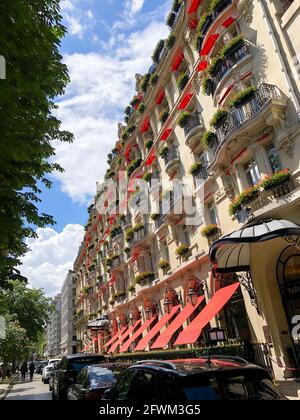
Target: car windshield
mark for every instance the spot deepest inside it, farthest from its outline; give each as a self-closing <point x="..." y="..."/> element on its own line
<point x="80" y="363"/>
<point x="102" y="378"/>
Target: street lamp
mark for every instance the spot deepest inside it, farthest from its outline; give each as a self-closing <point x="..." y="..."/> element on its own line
<point x="195" y="290"/>
<point x="167" y="305"/>
<point x="192" y="297"/>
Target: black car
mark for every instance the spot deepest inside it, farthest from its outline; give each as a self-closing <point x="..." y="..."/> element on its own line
<point x="68" y="369"/>
<point x="93" y="381"/>
<point x="54" y="367"/>
<point x="211" y="378"/>
<point x="39" y="367"/>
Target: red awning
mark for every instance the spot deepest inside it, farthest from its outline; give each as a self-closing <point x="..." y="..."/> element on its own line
<point x="179" y="57"/>
<point x="145" y="125"/>
<point x="193" y="24"/>
<point x="89" y="345"/>
<point x="167" y="335"/>
<point x="191" y="334"/>
<point x="194" y="4"/>
<point x="166" y="134"/>
<point x="124" y="336"/>
<point x="114" y="337"/>
<point x="209" y="44"/>
<point x="160" y="97"/>
<point x="185" y="101"/>
<point x="228" y="22"/>
<point x="150" y="159"/>
<point x="202" y="65"/>
<point x="228" y="90"/>
<point x="157" y="327"/>
<point x="136" y="335"/>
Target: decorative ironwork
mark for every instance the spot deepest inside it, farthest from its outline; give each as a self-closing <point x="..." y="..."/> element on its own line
<point x="293" y="240"/>
<point x="245" y="280"/>
<point x="173" y="154"/>
<point x="196" y="120"/>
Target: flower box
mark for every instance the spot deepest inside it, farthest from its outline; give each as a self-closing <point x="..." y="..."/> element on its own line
<point x="276" y="179"/>
<point x="184" y="119"/>
<point x="218" y="118"/>
<point x="144" y="277"/>
<point x="210" y="230"/>
<point x="243" y="97"/>
<point x="244" y="198"/>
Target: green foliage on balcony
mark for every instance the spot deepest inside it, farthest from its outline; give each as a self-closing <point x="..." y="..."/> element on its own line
<point x="130" y="129"/>
<point x="141" y="108"/>
<point x="208" y="138"/>
<point x="133" y="166"/>
<point x="231" y="46"/>
<point x="195" y="169"/>
<point x="171" y="19"/>
<point x="182" y="80"/>
<point x="116" y="230"/>
<point x="147" y="276"/>
<point x="215" y="62"/>
<point x="135" y="101"/>
<point x="210" y="230"/>
<point x="276" y="179"/>
<point x="242" y="97"/>
<point x="131" y="288"/>
<point x="154" y="217"/>
<point x="145" y="82"/>
<point x="163" y="153"/>
<point x="158" y="49"/>
<point x="149" y="144"/>
<point x="206" y="85"/>
<point x="138" y="227"/>
<point x="218" y="118"/>
<point x="176" y="5"/>
<point x="183" y="119"/>
<point x="242" y="199"/>
<point x="170" y="41"/>
<point x="147" y="177"/>
<point x="154" y="79"/>
<point x="201" y="22"/>
<point x="127" y="110"/>
<point x="112" y="302"/>
<point x="164" y="265"/>
<point x="164" y="116"/>
<point x="182" y="250"/>
<point x="129" y="234"/>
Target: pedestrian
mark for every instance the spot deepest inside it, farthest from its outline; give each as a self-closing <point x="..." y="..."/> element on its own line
<point x="23" y="370"/>
<point x="31" y="370"/>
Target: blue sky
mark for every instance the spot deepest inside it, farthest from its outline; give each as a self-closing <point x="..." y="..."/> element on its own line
<point x="108" y="42"/>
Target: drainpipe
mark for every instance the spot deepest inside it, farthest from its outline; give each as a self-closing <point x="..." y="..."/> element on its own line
<point x="277" y="50"/>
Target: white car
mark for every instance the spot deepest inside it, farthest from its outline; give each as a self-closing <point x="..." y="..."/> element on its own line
<point x="47" y="370"/>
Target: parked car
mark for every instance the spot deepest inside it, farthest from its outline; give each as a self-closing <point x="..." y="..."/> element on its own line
<point x="93" y="381"/>
<point x="213" y="378"/>
<point x="67" y="371"/>
<point x="47" y="369"/>
<point x="54" y="367"/>
<point x="39" y="367"/>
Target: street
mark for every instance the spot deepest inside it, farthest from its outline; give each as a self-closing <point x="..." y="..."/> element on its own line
<point x="27" y="390"/>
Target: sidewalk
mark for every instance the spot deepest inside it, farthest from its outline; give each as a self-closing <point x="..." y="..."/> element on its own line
<point x="6" y="385"/>
<point x="291" y="389"/>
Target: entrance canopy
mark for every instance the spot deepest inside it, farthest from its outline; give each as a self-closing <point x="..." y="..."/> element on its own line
<point x="232" y="252"/>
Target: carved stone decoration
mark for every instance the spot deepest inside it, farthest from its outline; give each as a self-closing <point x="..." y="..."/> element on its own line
<point x="293" y="240"/>
<point x="245" y="10"/>
<point x="121" y="128"/>
<point x="138" y="80"/>
<point x="287" y="146"/>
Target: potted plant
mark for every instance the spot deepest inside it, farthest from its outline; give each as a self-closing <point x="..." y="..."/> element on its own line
<point x="128" y="110"/>
<point x="171" y="40"/>
<point x="232" y="46"/>
<point x="206" y="85"/>
<point x="131" y="288"/>
<point x="278" y="178"/>
<point x="154" y="79"/>
<point x="138" y="227"/>
<point x="163" y="153"/>
<point x="218" y="118"/>
<point x="204" y="23"/>
<point x="145" y="277"/>
<point x="154" y="217"/>
<point x="149" y="144"/>
<point x="135" y="101"/>
<point x="176" y="5"/>
<point x="182" y="251"/>
<point x="198" y="42"/>
<point x="183" y="80"/>
<point x="210" y="230"/>
<point x="184" y="119"/>
<point x="243" y="199"/>
<point x="171" y="19"/>
<point x="158" y="50"/>
<point x="129" y="234"/>
<point x="214" y="66"/>
<point x="112" y="302"/>
<point x="164" y="116"/>
<point x="196" y="169"/>
<point x="147" y="177"/>
<point x="164" y="265"/>
<point x="116" y="230"/>
<point x="217" y="6"/>
<point x="243" y="97"/>
<point x="141" y="108"/>
<point x="145" y="82"/>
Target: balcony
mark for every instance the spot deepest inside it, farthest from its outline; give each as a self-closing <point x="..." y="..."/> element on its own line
<point x="254" y="112"/>
<point x="172" y="161"/>
<point x="194" y="126"/>
<point x="117" y="262"/>
<point x="160" y="221"/>
<point x="228" y="64"/>
<point x="126" y="221"/>
<point x="141" y="236"/>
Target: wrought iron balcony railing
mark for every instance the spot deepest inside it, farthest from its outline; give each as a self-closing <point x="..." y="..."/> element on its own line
<point x="196" y="120"/>
<point x="172" y="154"/>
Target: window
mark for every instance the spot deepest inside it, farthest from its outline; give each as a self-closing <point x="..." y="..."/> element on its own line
<point x="185" y="236"/>
<point x="121" y="390"/>
<point x="274" y="158"/>
<point x="252" y="173"/>
<point x="212" y="211"/>
<point x="143" y="386"/>
<point x="165" y="252"/>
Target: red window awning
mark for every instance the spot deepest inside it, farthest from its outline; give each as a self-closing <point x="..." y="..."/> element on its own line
<point x="150" y="159"/>
<point x="193" y="23"/>
<point x="89" y="345"/>
<point x="202" y="65"/>
<point x="115" y="336"/>
<point x="136" y="335"/>
<point x="167" y="335"/>
<point x="191" y="334"/>
<point x="145" y="125"/>
<point x="124" y="336"/>
<point x="209" y="44"/>
<point x="157" y="327"/>
<point x="185" y="101"/>
<point x="165" y="134"/>
<point x="228" y="22"/>
<point x="179" y="57"/>
<point x="226" y="93"/>
<point x="160" y="97"/>
<point x="194" y="4"/>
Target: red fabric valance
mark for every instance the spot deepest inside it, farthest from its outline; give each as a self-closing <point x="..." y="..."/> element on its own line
<point x="160" y="97"/>
<point x="185" y="101"/>
<point x="209" y="44"/>
<point x="202" y="65"/>
<point x="145" y="125"/>
<point x="193" y="7"/>
<point x="228" y="22"/>
<point x="166" y="133"/>
<point x="179" y="57"/>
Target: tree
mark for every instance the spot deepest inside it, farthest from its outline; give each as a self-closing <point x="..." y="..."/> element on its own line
<point x="30" y="33"/>
<point x="16" y="346"/>
<point x="30" y="307"/>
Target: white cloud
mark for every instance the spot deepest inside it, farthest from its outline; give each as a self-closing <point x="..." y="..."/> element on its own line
<point x="134" y="6"/>
<point x="102" y="84"/>
<point x="76" y="19"/>
<point x="52" y="255"/>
